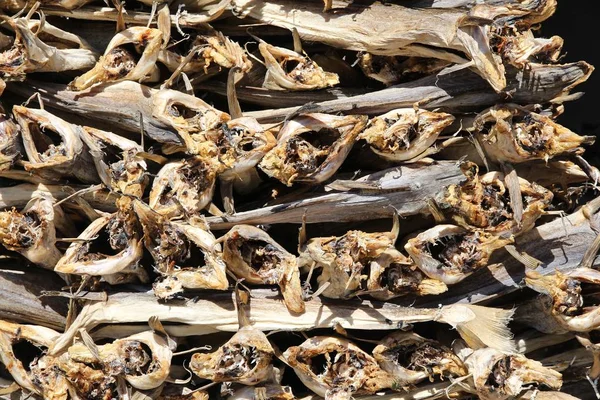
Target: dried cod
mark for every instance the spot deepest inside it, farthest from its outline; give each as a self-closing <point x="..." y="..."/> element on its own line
<point x="10" y="142"/>
<point x="310" y="148"/>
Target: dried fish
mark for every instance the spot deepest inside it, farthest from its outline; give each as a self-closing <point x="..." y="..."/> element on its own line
<point x="10" y="142"/>
<point x="403" y="134"/>
<point x="32" y="232"/>
<point x="483" y="202"/>
<point x="311" y="148"/>
<point x="251" y="254"/>
<point x="390" y="70"/>
<point x="143" y="359"/>
<point x="289" y="70"/>
<point x="450" y="253"/>
<point x="118" y="63"/>
<point x="174" y="247"/>
<point x="510" y="133"/>
<point x="410" y="359"/>
<point x="497" y="375"/>
<point x="183" y="187"/>
<point x="53" y="146"/>
<point x="336" y="368"/>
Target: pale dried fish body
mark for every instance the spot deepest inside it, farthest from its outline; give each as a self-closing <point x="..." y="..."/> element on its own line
<point x="245" y="358"/>
<point x="184" y="187"/>
<point x="521" y="48"/>
<point x="117" y="161"/>
<point x="564" y="302"/>
<point x="215" y="49"/>
<point x="10" y="142"/>
<point x="510" y="133"/>
<point x="311" y="148"/>
<point x="12" y="334"/>
<point x="347" y="369"/>
<point x="123" y="232"/>
<point x="502" y="376"/>
<point x="403" y="134"/>
<point x="288" y="70"/>
<point x="53" y="146"/>
<point x="174" y="248"/>
<point x="30" y="53"/>
<point x="32" y="232"/>
<point x="450" y="253"/>
<point x="393" y="276"/>
<point x="143" y="359"/>
<point x="410" y="359"/>
<point x="16" y="5"/>
<point x="193" y="119"/>
<point x="483" y="202"/>
<point x="270" y="391"/>
<point x="345" y="261"/>
<point x="119" y="63"/>
<point x="251" y="254"/>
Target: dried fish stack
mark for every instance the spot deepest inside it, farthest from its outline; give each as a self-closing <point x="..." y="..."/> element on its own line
<point x="277" y="199"/>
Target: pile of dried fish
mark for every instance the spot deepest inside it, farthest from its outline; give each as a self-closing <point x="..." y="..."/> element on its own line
<point x="277" y="199"/>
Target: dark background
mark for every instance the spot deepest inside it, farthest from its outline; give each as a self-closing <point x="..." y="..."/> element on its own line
<point x="579" y="30"/>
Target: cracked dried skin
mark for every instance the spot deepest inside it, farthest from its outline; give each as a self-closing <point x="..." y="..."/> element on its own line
<point x="184" y="187"/>
<point x="120" y="63"/>
<point x="410" y="359"/>
<point x="216" y="50"/>
<point x="501" y="376"/>
<point x="143" y="359"/>
<point x="176" y="249"/>
<point x="393" y="276"/>
<point x="450" y="253"/>
<point x="241" y="143"/>
<point x="124" y="234"/>
<point x="483" y="202"/>
<point x="311" y="148"/>
<point x="245" y="358"/>
<point x="251" y="254"/>
<point x="31" y="232"/>
<point x="345" y="260"/>
<point x="564" y="302"/>
<point x="510" y="133"/>
<point x="288" y="70"/>
<point x="403" y="134"/>
<point x="336" y="368"/>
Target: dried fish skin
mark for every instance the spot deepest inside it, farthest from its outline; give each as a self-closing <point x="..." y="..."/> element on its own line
<point x="215" y="51"/>
<point x="269" y="391"/>
<point x="183" y="187"/>
<point x="192" y="118"/>
<point x="11" y="334"/>
<point x="483" y="202"/>
<point x="520" y="48"/>
<point x="410" y="359"/>
<point x="10" y="142"/>
<point x="348" y="370"/>
<point x="390" y="70"/>
<point x="245" y="358"/>
<point x="450" y="253"/>
<point x="510" y="133"/>
<point x="117" y="161"/>
<point x="311" y="148"/>
<point x="393" y="276"/>
<point x="288" y="70"/>
<point x="119" y="64"/>
<point x="29" y="53"/>
<point x="53" y="146"/>
<point x="563" y="301"/>
<point x="32" y="232"/>
<point x="174" y="247"/>
<point x="250" y="253"/>
<point x="143" y="359"/>
<point x="403" y="134"/>
<point x="242" y="143"/>
<point x="124" y="234"/>
<point x="501" y="376"/>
